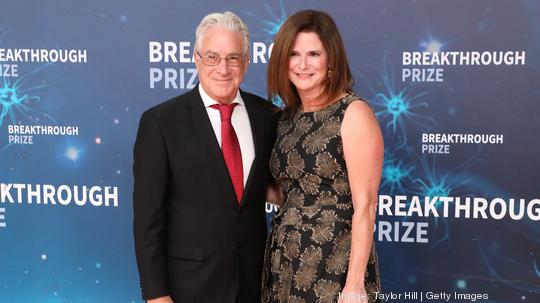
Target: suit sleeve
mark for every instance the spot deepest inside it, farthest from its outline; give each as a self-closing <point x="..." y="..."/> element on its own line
<point x="151" y="178"/>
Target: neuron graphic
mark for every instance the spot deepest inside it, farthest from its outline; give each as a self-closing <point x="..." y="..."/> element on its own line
<point x="18" y="103"/>
<point x="272" y="25"/>
<point x="18" y="100"/>
<point x="395" y="172"/>
<point x="14" y="99"/>
<point x="398" y="106"/>
<point x="508" y="263"/>
<point x="453" y="182"/>
<point x="431" y="45"/>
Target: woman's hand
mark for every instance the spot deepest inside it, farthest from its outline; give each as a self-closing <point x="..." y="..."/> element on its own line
<point x="274" y="194"/>
<point x="166" y="299"/>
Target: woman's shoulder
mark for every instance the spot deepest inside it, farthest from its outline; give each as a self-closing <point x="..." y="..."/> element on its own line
<point x="358" y="104"/>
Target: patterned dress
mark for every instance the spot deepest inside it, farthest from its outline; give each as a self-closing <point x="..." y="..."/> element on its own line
<point x="307" y="253"/>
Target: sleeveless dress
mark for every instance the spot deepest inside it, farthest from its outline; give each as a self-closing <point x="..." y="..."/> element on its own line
<point x="307" y="252"/>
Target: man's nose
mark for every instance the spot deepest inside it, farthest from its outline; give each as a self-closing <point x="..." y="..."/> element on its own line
<point x="222" y="66"/>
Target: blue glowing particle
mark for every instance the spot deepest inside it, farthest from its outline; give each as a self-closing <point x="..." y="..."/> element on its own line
<point x="72" y="153"/>
<point x="98" y="265"/>
<point x="431" y="45"/>
<point x="461" y="284"/>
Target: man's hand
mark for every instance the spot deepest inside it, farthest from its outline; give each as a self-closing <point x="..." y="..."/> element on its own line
<point x="166" y="299"/>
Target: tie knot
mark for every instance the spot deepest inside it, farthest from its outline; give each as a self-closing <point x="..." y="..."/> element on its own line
<point x="225" y="110"/>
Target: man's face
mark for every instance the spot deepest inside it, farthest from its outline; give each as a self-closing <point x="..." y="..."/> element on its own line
<point x="221" y="82"/>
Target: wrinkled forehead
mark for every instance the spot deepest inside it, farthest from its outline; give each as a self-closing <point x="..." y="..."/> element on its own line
<point x="222" y="41"/>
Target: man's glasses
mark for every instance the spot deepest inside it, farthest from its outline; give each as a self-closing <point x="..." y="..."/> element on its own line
<point x="212" y="59"/>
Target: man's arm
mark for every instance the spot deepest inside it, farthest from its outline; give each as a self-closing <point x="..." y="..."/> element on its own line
<point x="150" y="172"/>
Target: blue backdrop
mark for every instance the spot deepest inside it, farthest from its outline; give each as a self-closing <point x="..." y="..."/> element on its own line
<point x="456" y="88"/>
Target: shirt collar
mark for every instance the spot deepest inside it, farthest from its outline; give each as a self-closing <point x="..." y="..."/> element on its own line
<point x="208" y="101"/>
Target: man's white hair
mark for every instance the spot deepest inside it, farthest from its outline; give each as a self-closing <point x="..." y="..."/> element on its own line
<point x="226" y="20"/>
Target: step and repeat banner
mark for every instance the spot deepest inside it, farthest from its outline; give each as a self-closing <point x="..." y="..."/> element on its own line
<point x="455" y="86"/>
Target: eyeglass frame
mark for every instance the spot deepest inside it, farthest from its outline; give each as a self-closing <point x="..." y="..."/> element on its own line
<point x="227" y="58"/>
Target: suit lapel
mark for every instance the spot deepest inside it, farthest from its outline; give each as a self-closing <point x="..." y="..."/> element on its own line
<point x="203" y="131"/>
<point x="256" y="120"/>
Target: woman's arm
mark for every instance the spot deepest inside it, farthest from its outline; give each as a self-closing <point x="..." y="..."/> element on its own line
<point x="363" y="150"/>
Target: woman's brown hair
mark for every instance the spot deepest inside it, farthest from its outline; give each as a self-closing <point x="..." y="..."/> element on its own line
<point x="339" y="79"/>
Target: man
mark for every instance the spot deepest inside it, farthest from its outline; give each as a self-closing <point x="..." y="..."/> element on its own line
<point x="201" y="175"/>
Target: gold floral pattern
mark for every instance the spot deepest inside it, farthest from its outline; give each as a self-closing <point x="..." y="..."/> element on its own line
<point x="295" y="299"/>
<point x="292" y="245"/>
<point x="307" y="253"/>
<point x="326" y="165"/>
<point x="315" y="142"/>
<point x="322" y="233"/>
<point x="328" y="216"/>
<point x="326" y="198"/>
<point x="307" y="271"/>
<point x="341" y="185"/>
<point x="296" y="165"/>
<point x="291" y="217"/>
<point x="310" y="183"/>
<point x="327" y="291"/>
<point x="339" y="258"/>
<point x="310" y="211"/>
<point x="295" y="198"/>
<point x="285" y="281"/>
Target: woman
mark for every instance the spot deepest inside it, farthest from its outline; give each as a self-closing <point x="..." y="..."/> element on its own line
<point x="327" y="163"/>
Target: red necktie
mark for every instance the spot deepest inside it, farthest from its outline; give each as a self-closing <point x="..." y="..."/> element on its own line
<point x="231" y="148"/>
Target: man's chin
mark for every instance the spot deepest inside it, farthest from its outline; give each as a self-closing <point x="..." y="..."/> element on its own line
<point x="224" y="98"/>
<point x="223" y="94"/>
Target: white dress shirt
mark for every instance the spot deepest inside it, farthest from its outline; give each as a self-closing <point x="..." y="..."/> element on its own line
<point x="240" y="123"/>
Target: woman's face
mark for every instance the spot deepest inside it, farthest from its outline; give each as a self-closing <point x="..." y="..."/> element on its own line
<point x="308" y="64"/>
